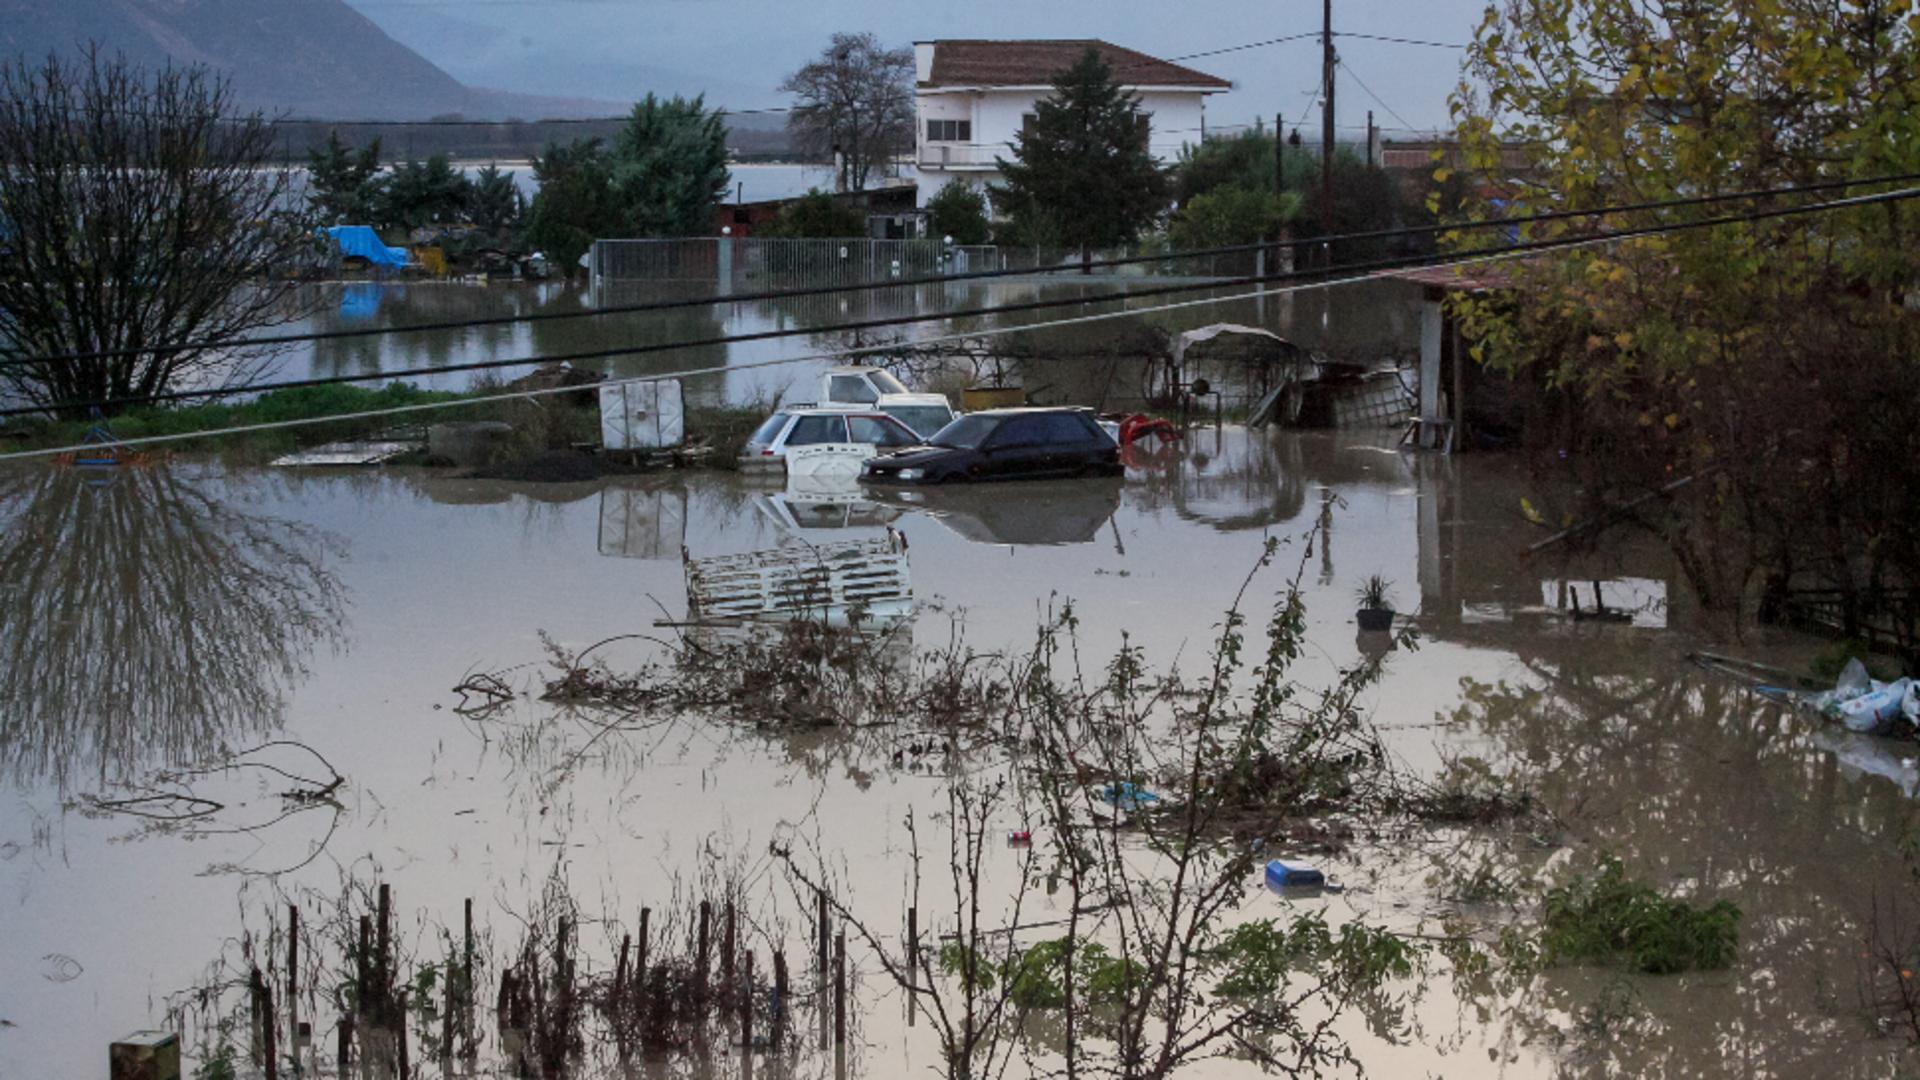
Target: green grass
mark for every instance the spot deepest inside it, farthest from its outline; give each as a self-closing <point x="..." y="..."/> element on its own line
<point x="279" y="406"/>
<point x="1612" y="918"/>
<point x="549" y="422"/>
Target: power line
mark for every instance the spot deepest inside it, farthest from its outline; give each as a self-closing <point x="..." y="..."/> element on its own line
<point x="1401" y="40"/>
<point x="1240" y="48"/>
<point x="1377" y="99"/>
<point x="1005" y="309"/>
<point x="1511" y="221"/>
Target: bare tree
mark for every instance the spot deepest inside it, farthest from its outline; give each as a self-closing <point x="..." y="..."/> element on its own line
<point x="856" y="101"/>
<point x="141" y="220"/>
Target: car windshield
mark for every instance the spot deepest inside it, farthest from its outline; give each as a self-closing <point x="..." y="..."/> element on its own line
<point x="966" y="433"/>
<point x="923" y="419"/>
<point x="887" y="383"/>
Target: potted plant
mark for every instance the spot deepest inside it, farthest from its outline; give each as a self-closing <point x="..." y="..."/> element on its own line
<point x="1376" y="604"/>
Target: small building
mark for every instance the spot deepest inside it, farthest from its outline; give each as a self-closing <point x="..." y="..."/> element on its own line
<point x="890" y="213"/>
<point x="972" y="97"/>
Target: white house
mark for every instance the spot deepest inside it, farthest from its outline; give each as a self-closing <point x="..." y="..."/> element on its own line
<point x="971" y="97"/>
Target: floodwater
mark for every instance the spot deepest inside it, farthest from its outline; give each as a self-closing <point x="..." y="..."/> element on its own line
<point x="152" y="621"/>
<point x="750" y="182"/>
<point x="1366" y="323"/>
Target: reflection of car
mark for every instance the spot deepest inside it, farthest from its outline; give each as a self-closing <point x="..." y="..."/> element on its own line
<point x="811" y="503"/>
<point x="798" y="426"/>
<point x="1004" y="444"/>
<point x="1046" y="512"/>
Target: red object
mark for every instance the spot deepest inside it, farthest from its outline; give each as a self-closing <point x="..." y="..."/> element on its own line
<point x="1137" y="427"/>
<point x="1021" y="837"/>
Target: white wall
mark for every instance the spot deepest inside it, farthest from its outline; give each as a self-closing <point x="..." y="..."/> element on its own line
<point x="1174" y="120"/>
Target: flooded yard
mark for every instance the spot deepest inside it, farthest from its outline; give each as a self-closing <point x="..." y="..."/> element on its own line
<point x="316" y="623"/>
<point x="1358" y="323"/>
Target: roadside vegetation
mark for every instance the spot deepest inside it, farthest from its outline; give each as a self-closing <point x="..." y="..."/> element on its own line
<point x="555" y="422"/>
<point x="1741" y="381"/>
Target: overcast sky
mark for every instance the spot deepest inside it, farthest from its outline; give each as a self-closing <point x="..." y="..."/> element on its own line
<point x="736" y="51"/>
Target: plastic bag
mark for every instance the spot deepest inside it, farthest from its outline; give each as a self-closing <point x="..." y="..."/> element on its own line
<point x="1874" y="712"/>
<point x="1853" y="682"/>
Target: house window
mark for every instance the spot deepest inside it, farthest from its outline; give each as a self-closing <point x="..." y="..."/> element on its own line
<point x="949" y="131"/>
<point x="1027" y="121"/>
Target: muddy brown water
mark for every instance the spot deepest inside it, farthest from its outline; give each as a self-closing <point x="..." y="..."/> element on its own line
<point x="1363" y="323"/>
<point x="149" y="620"/>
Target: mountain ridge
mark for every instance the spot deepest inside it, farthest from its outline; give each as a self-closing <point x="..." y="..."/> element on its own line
<point x="309" y="59"/>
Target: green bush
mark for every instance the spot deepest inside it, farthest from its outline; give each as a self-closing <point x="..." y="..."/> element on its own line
<point x="1611" y="918"/>
<point x="818" y="215"/>
<point x="960" y="212"/>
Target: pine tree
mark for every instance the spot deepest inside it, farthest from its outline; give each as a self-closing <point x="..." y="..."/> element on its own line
<point x="343" y="185"/>
<point x="670" y="167"/>
<point x="1082" y="172"/>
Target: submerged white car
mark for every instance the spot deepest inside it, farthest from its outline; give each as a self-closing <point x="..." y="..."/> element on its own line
<point x="823" y="434"/>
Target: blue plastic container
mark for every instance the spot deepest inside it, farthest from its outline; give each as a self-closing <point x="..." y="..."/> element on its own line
<point x="1283" y="874"/>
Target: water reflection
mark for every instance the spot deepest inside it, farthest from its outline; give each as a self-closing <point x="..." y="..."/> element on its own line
<point x="643" y="523"/>
<point x="1096" y="364"/>
<point x="1478" y="584"/>
<point x="1047" y="512"/>
<point x="148" y="622"/>
<point x="1702" y="787"/>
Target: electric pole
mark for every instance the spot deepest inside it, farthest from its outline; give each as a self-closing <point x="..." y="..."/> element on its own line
<point x="1279" y="153"/>
<point x="1327" y="60"/>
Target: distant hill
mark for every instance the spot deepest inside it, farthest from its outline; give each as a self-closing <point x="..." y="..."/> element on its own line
<point x="300" y="58"/>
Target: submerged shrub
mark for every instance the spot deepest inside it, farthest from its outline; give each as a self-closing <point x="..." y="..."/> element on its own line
<point x="1612" y="917"/>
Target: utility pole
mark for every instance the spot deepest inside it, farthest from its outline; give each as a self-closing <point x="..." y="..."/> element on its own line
<point x="1327" y="61"/>
<point x="1279" y="153"/>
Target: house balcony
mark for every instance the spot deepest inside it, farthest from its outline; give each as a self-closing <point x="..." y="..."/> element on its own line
<point x="954" y="155"/>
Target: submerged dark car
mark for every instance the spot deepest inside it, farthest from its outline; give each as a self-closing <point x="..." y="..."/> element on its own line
<point x="1004" y="444"/>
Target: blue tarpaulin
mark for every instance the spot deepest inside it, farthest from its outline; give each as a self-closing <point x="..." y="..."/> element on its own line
<point x="362" y="241"/>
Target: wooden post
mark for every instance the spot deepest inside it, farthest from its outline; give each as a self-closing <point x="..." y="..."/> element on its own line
<point x="700" y="953"/>
<point x="400" y="1032"/>
<point x="1458" y="404"/>
<point x="821" y="922"/>
<point x="256" y="1043"/>
<point x="469" y="1025"/>
<point x="779" y="995"/>
<point x="727" y="945"/>
<point x="383" y="967"/>
<point x="746" y="1007"/>
<point x="446" y="1023"/>
<point x="640" y="959"/>
<point x="270" y="1030"/>
<point x="363" y="966"/>
<point x="343" y="1048"/>
<point x="913" y="962"/>
<point x="620" y="980"/>
<point x="293" y="976"/>
<point x="563" y="977"/>
<point x="840" y="989"/>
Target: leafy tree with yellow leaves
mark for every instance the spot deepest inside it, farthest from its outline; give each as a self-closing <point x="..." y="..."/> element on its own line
<point x="1774" y="362"/>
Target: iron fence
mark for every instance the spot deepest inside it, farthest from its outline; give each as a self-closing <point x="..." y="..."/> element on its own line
<point x="743" y="262"/>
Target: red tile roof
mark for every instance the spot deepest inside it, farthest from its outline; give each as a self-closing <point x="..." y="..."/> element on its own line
<point x="1035" y="63"/>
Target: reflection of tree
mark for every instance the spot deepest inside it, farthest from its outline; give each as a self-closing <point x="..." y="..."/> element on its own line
<point x="147" y="622"/>
<point x="701" y="322"/>
<point x="1702" y="787"/>
<point x="403" y="305"/>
